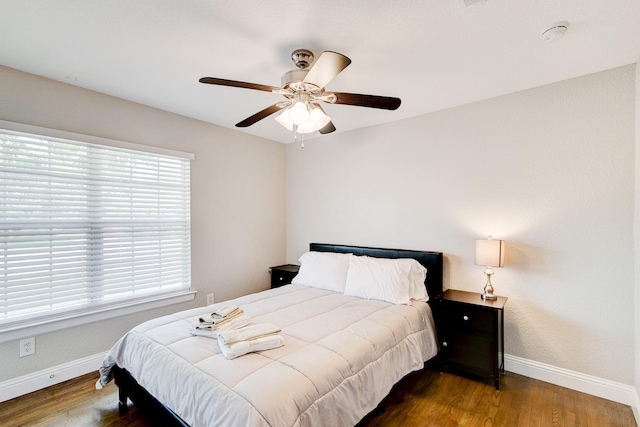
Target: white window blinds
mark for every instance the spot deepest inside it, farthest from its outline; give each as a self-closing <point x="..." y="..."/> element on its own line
<point x="85" y="225"/>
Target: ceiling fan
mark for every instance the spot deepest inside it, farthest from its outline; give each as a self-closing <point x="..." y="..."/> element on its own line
<point x="303" y="88"/>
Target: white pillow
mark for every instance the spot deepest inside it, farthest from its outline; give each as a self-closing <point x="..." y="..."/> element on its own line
<point x="417" y="276"/>
<point x="324" y="270"/>
<point x="379" y="278"/>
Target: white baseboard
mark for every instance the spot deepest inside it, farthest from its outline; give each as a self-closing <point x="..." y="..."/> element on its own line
<point x="38" y="380"/>
<point x="636" y="406"/>
<point x="595" y="386"/>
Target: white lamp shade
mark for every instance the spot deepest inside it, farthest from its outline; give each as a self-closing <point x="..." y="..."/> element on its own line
<point x="490" y="253"/>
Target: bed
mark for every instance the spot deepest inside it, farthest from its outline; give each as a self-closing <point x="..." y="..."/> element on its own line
<point x="342" y="355"/>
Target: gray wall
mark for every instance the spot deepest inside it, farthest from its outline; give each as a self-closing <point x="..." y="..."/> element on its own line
<point x="551" y="170"/>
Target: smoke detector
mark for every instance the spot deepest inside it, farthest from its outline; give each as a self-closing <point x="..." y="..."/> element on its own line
<point x="555" y="32"/>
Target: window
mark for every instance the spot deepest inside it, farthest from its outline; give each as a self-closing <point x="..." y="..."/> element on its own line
<point x="85" y="226"/>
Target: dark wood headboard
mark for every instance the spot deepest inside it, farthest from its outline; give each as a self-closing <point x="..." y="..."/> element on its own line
<point x="431" y="260"/>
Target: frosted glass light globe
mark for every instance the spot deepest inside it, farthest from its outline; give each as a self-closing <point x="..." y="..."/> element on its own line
<point x="317" y="120"/>
<point x="299" y="113"/>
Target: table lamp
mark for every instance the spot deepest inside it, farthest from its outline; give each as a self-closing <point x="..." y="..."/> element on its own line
<point x="489" y="253"/>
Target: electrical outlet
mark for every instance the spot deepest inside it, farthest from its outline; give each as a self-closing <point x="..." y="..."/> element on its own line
<point x="27" y="347"/>
<point x="210" y="299"/>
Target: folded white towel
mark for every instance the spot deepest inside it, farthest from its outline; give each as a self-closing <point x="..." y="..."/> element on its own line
<point x="211" y="331"/>
<point x="248" y="333"/>
<point x="225" y="310"/>
<point x="224" y="314"/>
<point x="240" y="348"/>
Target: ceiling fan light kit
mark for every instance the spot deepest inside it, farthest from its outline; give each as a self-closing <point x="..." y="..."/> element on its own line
<point x="303" y="89"/>
<point x="315" y="120"/>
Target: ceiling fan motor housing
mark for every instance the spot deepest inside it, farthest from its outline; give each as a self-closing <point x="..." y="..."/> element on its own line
<point x="294" y="79"/>
<point x="293" y="76"/>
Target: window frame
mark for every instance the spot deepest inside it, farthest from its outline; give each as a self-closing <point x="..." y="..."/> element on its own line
<point x="51" y="323"/>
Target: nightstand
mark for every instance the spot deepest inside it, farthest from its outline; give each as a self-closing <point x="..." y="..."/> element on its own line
<point x="283" y="274"/>
<point x="471" y="333"/>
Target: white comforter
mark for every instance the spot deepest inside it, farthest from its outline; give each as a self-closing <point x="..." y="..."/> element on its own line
<point x="341" y="357"/>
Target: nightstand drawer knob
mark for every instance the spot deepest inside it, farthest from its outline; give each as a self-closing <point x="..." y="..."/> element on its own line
<point x="465" y="317"/>
<point x="444" y="343"/>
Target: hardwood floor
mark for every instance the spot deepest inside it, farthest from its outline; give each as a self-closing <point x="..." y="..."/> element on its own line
<point x="441" y="400"/>
<point x="426" y="398"/>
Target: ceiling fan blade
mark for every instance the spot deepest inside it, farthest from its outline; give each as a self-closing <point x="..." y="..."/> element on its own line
<point x="328" y="65"/>
<point x="371" y="101"/>
<point x="259" y="116"/>
<point x="234" y="83"/>
<point x="328" y="128"/>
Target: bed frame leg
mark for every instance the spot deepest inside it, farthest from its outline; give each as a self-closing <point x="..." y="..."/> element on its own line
<point x="122" y="401"/>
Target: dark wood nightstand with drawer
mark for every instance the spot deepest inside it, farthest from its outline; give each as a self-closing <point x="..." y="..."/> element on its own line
<point x="283" y="274"/>
<point x="472" y="333"/>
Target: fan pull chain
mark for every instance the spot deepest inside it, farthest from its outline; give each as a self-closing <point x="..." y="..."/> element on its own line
<point x="295" y="136"/>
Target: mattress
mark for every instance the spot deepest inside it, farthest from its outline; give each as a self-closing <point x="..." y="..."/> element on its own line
<point x="341" y="357"/>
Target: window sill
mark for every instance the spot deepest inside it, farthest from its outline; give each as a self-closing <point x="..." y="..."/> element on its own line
<point x="69" y="320"/>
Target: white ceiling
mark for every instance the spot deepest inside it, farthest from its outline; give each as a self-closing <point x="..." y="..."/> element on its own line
<point x="433" y="54"/>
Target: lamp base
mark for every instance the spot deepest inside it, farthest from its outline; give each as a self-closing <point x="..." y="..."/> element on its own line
<point x="488" y="297"/>
<point x="487" y="294"/>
